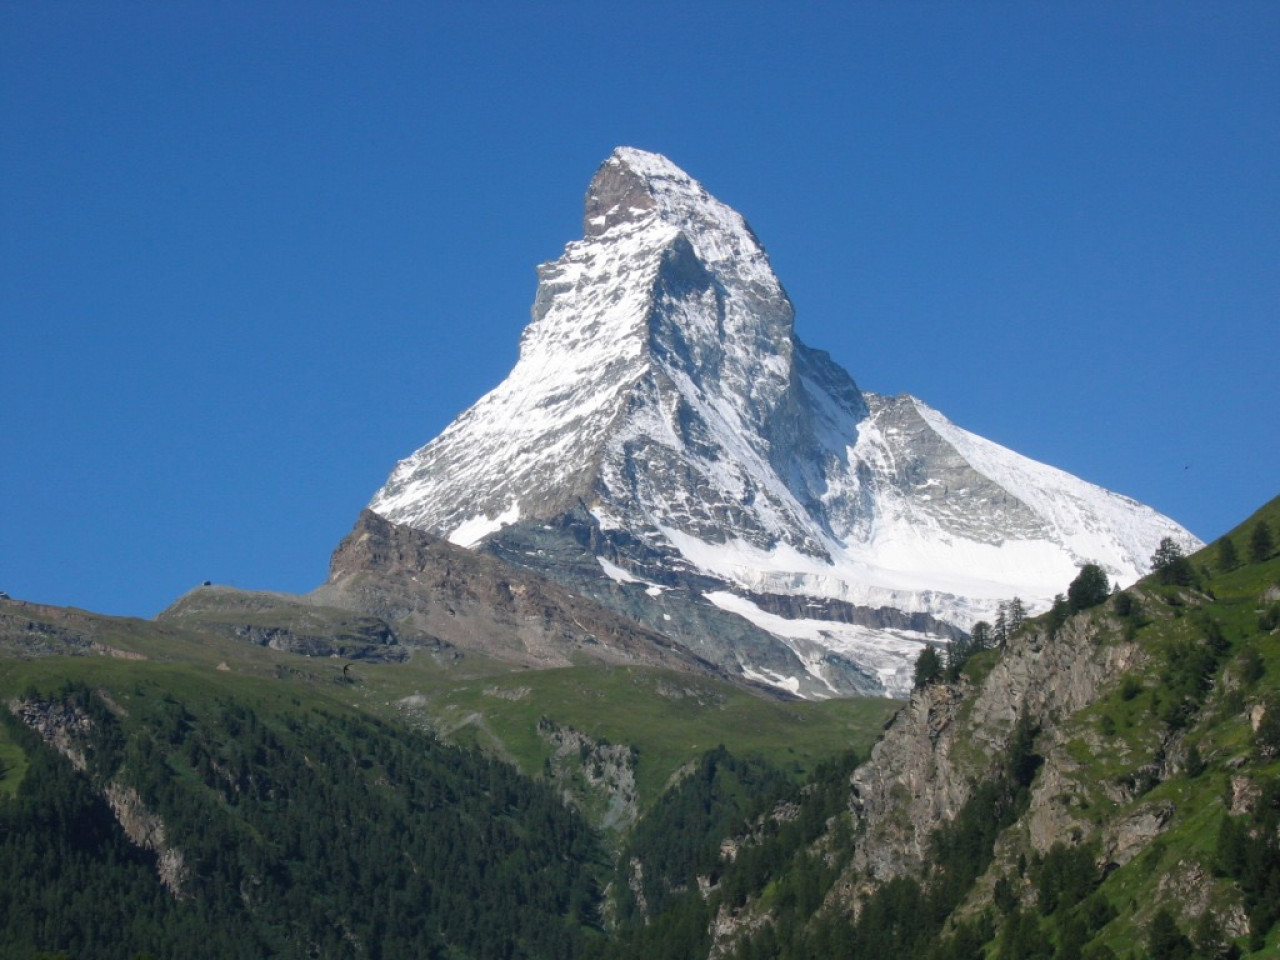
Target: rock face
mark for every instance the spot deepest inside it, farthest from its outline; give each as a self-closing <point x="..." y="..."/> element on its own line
<point x="604" y="772"/>
<point x="663" y="401"/>
<point x="950" y="738"/>
<point x="435" y="595"/>
<point x="147" y="830"/>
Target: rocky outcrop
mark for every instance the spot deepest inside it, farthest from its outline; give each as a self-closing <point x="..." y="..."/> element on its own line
<point x="62" y="726"/>
<point x="592" y="772"/>
<point x="430" y="591"/>
<point x="949" y="738"/>
<point x="147" y="830"/>
<point x="1129" y="836"/>
<point x="66" y="727"/>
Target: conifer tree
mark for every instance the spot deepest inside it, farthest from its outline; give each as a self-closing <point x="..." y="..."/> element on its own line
<point x="1164" y="940"/>
<point x="1228" y="557"/>
<point x="1059" y="612"/>
<point x="980" y="636"/>
<point x="1261" y="544"/>
<point x="928" y="667"/>
<point x="1000" y="631"/>
<point x="1089" y="588"/>
<point x="1171" y="564"/>
<point x="1017" y="615"/>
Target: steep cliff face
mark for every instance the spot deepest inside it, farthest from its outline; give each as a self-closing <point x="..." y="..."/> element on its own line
<point x="434" y="594"/>
<point x="1100" y="768"/>
<point x="951" y="737"/>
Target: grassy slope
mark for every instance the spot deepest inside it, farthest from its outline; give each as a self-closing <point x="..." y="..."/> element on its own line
<point x="1221" y="732"/>
<point x="670" y="719"/>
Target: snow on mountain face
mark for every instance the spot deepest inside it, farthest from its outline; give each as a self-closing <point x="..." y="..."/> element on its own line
<point x="661" y="387"/>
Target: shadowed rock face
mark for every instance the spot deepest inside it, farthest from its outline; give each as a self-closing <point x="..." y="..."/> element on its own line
<point x="617" y="194"/>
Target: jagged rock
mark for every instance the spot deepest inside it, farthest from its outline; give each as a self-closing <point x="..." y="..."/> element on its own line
<point x="608" y="769"/>
<point x="1257" y="713"/>
<point x="1130" y="836"/>
<point x="61" y="725"/>
<point x="445" y="599"/>
<point x="909" y="785"/>
<point x="147" y="830"/>
<point x="729" y="927"/>
<point x="951" y="737"/>
<point x="1245" y="794"/>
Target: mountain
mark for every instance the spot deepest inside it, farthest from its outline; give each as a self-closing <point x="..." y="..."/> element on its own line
<point x="667" y="446"/>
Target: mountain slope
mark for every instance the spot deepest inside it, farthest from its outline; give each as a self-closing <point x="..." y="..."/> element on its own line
<point x="1107" y="785"/>
<point x="662" y="400"/>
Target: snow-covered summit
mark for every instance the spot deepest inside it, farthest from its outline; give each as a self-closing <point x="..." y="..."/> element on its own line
<point x="661" y="393"/>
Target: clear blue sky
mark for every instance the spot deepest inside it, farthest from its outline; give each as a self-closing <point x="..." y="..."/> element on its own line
<point x="253" y="253"/>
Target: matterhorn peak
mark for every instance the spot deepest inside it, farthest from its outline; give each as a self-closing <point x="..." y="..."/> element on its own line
<point x="634" y="184"/>
<point x="635" y="188"/>
<point x="666" y="445"/>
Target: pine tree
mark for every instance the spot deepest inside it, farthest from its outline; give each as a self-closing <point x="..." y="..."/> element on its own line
<point x="928" y="667"/>
<point x="1164" y="940"/>
<point x="1000" y="632"/>
<point x="1171" y="564"/>
<point x="1059" y="612"/>
<point x="1261" y="545"/>
<point x="1088" y="589"/>
<point x="1228" y="558"/>
<point x="957" y="653"/>
<point x="980" y="636"/>
<point x="1017" y="615"/>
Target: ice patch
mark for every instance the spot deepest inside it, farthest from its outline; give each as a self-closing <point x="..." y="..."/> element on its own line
<point x="889" y="654"/>
<point x="471" y="532"/>
<point x="790" y="684"/>
<point x="616" y="573"/>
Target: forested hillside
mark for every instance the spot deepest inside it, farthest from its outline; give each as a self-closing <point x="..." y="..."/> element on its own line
<point x="217" y="829"/>
<point x="172" y="793"/>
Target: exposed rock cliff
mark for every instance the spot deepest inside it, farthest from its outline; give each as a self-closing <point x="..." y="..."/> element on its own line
<point x="436" y="594"/>
<point x="951" y="737"/>
<point x="66" y="727"/>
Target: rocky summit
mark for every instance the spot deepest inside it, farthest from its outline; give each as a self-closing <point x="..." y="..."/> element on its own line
<point x="666" y="446"/>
